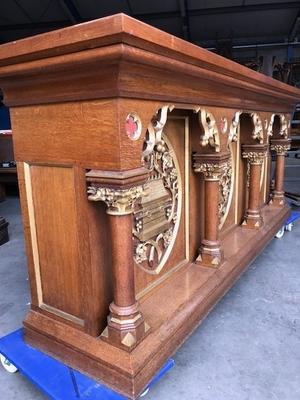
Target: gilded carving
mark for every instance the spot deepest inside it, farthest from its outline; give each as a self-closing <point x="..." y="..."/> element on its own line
<point x="270" y="125"/>
<point x="226" y="186"/>
<point x="155" y="130"/>
<point x="211" y="134"/>
<point x="255" y="157"/>
<point x="284" y="126"/>
<point x="156" y="217"/>
<point x="211" y="171"/>
<point x="280" y="149"/>
<point x="233" y="130"/>
<point x="118" y="201"/>
<point x="221" y="172"/>
<point x="258" y="132"/>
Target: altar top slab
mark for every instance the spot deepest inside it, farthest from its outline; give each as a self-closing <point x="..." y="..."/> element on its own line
<point x="117" y="36"/>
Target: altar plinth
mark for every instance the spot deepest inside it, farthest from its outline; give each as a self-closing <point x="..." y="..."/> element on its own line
<point x="144" y="173"/>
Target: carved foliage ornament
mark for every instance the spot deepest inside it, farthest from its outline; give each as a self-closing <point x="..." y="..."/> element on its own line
<point x="211" y="171"/>
<point x="280" y="149"/>
<point x="226" y="187"/>
<point x="118" y="201"/>
<point x="284" y="126"/>
<point x="270" y="125"/>
<point x="255" y="157"/>
<point x="156" y="218"/>
<point x="233" y="130"/>
<point x="211" y="134"/>
<point x="258" y="132"/>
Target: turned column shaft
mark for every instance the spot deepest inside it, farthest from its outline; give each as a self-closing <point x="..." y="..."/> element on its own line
<point x="280" y="146"/>
<point x="122" y="260"/>
<point x="279" y="173"/>
<point x="255" y="155"/>
<point x="211" y="210"/>
<point x="213" y="166"/>
<point x="125" y="324"/>
<point x="254" y="187"/>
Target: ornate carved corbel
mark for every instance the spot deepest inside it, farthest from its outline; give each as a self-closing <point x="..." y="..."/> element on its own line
<point x="233" y="130"/>
<point x="269" y="126"/>
<point x="258" y="131"/>
<point x="284" y="126"/>
<point x="211" y="133"/>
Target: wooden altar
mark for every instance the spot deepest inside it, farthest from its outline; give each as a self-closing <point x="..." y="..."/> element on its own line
<point x="144" y="171"/>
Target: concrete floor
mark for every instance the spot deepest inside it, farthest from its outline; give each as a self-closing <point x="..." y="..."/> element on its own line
<point x="248" y="348"/>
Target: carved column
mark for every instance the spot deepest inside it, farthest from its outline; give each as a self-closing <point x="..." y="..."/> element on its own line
<point x="255" y="155"/>
<point x="212" y="166"/>
<point x="126" y="326"/>
<point x="280" y="146"/>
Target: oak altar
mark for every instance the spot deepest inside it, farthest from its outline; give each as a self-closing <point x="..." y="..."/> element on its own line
<point x="144" y="170"/>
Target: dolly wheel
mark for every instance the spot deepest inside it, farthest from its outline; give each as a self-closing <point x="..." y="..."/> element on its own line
<point x="7" y="365"/>
<point x="280" y="233"/>
<point x="145" y="392"/>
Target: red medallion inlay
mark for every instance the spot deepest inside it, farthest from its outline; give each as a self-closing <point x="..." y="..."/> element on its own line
<point x="132" y="128"/>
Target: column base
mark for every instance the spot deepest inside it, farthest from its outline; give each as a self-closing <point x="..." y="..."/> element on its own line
<point x="277" y="199"/>
<point x="210" y="254"/>
<point x="252" y="220"/>
<point x="126" y="327"/>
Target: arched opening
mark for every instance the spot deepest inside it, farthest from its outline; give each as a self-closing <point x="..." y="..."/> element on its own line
<point x="246" y="128"/>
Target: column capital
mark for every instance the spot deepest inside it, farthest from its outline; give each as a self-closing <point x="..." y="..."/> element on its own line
<point x="255" y="154"/>
<point x="118" y="201"/>
<point x="212" y="166"/>
<point x="118" y="189"/>
<point x="280" y="146"/>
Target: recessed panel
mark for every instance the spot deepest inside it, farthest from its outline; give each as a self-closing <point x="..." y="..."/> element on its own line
<point x="54" y="207"/>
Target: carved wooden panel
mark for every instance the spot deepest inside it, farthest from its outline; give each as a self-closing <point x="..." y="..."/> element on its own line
<point x="163" y="221"/>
